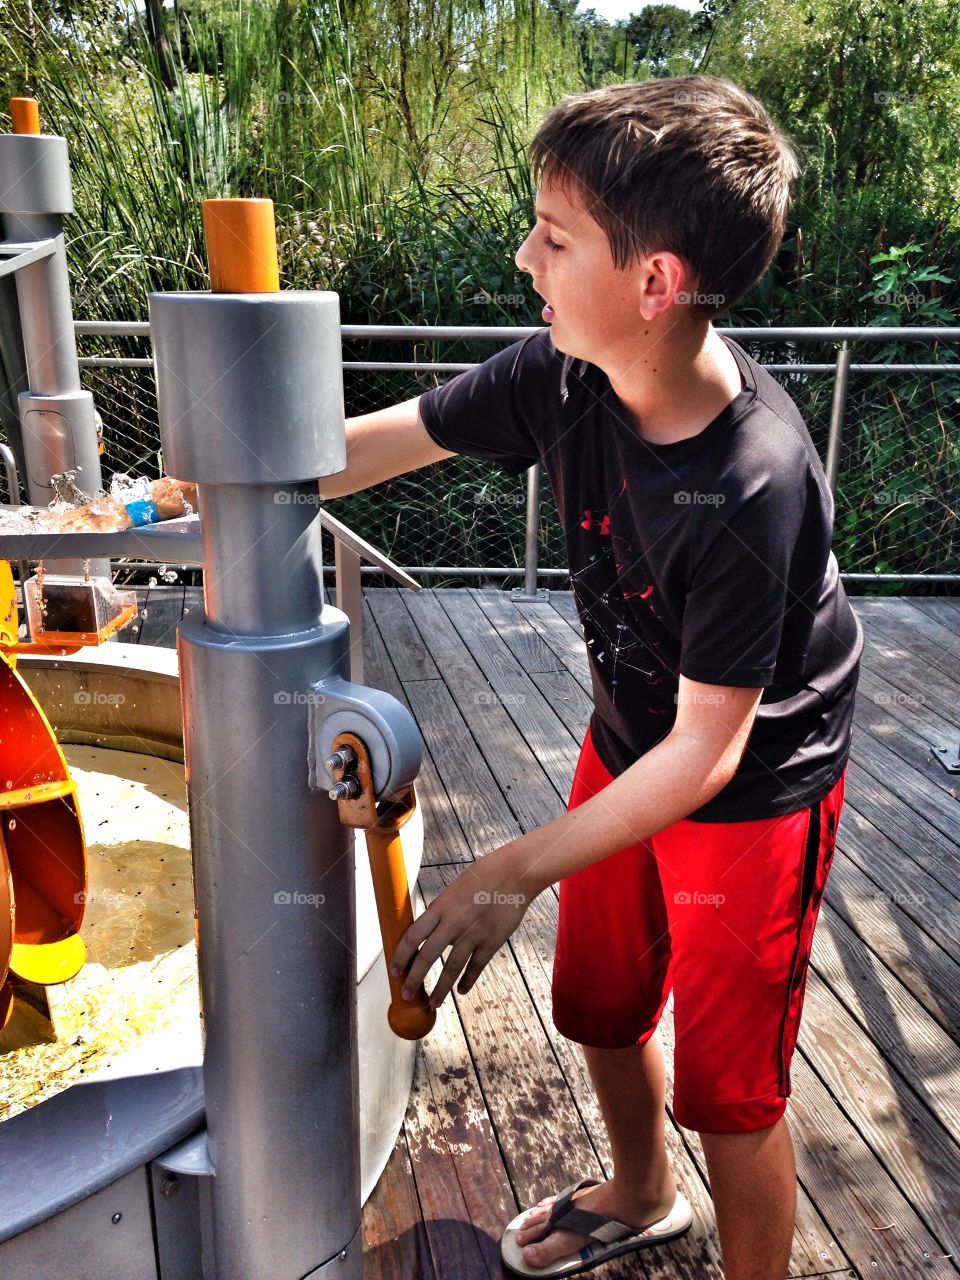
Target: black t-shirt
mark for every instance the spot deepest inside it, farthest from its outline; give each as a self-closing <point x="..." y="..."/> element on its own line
<point x="708" y="557"/>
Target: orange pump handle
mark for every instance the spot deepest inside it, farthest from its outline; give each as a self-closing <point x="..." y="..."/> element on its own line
<point x="241" y="240"/>
<point x="409" y="1019"/>
<point x="24" y="115"/>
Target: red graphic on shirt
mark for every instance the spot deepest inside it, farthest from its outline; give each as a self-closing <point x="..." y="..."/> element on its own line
<point x="603" y="525"/>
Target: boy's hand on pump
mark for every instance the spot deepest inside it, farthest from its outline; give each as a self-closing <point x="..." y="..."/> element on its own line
<point x="473" y="916"/>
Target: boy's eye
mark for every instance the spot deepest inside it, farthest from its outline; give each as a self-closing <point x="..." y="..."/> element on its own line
<point x="552" y="244"/>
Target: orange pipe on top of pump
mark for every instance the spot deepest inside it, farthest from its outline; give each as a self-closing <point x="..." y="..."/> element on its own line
<point x="24" y="115"/>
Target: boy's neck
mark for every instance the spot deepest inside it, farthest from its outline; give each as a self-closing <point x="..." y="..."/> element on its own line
<point x="674" y="378"/>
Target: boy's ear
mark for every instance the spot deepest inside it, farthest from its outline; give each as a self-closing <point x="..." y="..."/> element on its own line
<point x="661" y="281"/>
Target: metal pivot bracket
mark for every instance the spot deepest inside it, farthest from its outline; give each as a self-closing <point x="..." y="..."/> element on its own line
<point x="384" y="724"/>
<point x="949" y="756"/>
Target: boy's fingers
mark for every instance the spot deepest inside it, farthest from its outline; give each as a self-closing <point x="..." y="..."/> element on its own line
<point x="478" y="963"/>
<point x="422" y="964"/>
<point x="421" y="928"/>
<point x="457" y="958"/>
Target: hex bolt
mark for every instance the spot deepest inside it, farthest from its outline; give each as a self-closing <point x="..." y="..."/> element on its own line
<point x="344" y="758"/>
<point x="170" y="1185"/>
<point x="347" y="788"/>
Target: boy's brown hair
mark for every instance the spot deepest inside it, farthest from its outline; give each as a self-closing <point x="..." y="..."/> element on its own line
<point x="689" y="164"/>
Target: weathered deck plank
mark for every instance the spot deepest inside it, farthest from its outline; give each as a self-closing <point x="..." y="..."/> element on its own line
<point x="503" y="1111"/>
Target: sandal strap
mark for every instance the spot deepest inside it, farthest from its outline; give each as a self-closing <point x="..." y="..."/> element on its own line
<point x="596" y="1225"/>
<point x="560" y="1206"/>
<point x="567" y="1215"/>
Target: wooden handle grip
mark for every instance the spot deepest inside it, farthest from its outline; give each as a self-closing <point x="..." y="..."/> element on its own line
<point x="409" y="1019"/>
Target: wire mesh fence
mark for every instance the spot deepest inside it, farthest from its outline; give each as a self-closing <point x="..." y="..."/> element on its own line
<point x="463" y="521"/>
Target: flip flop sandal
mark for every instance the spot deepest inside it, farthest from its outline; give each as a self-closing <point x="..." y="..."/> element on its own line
<point x="612" y="1237"/>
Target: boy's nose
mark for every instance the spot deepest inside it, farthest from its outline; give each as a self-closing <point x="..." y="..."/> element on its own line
<point x="522" y="256"/>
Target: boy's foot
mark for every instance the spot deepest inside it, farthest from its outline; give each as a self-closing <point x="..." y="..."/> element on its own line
<point x="605" y="1199"/>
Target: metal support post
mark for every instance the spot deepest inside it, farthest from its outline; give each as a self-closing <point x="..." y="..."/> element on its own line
<point x="273" y="865"/>
<point x="57" y="417"/>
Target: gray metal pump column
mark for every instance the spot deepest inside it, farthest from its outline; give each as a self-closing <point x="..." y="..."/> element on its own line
<point x="57" y="417"/>
<point x="251" y="408"/>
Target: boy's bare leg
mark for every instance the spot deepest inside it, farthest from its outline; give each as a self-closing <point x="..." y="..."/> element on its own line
<point x="753" y="1182"/>
<point x="630" y="1085"/>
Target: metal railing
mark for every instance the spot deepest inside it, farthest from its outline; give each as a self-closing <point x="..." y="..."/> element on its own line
<point x="832" y="445"/>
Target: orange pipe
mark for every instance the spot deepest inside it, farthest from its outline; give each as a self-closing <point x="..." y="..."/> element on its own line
<point x="24" y="115"/>
<point x="241" y="246"/>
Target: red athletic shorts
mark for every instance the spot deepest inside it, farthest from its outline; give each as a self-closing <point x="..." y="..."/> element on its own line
<point x="721" y="912"/>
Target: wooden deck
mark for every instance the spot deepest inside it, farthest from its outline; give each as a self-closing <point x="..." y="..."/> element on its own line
<point x="502" y="1111"/>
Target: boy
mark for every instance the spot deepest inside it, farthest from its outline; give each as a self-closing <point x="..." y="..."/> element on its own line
<point x="724" y="657"/>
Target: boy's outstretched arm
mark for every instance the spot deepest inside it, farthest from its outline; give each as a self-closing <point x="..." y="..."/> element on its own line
<point x="476" y="914"/>
<point x="382" y="445"/>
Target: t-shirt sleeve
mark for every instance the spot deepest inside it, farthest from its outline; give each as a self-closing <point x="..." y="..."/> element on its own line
<point x="494" y="411"/>
<point x="739" y="593"/>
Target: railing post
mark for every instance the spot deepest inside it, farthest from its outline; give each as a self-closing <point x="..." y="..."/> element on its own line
<point x="837" y="413"/>
<point x="532" y="540"/>
<point x="350" y="601"/>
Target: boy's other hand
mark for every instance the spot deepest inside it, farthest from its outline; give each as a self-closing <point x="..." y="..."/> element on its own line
<point x="473" y="916"/>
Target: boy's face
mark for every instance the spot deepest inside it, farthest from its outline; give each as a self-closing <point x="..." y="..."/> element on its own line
<point x="595" y="312"/>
